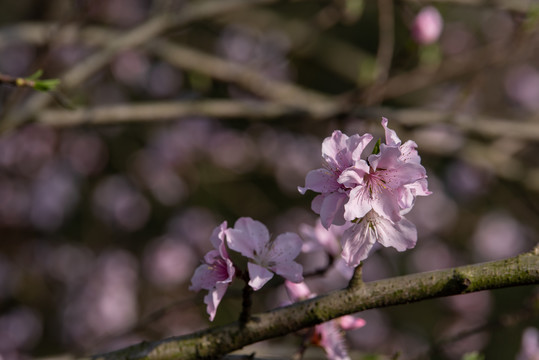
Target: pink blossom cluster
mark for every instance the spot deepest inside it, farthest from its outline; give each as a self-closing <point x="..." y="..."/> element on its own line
<point x="369" y="194"/>
<point x="266" y="256"/>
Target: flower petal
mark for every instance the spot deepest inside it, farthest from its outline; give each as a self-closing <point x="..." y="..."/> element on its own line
<point x="213" y="298"/>
<point x="258" y="275"/>
<point x="359" y="203"/>
<point x="332" y="210"/>
<point x="401" y="235"/>
<point x="286" y="247"/>
<point x="289" y="270"/>
<point x="320" y="180"/>
<point x="248" y="237"/>
<point x="350" y="322"/>
<point x="391" y="135"/>
<point x="357" y="241"/>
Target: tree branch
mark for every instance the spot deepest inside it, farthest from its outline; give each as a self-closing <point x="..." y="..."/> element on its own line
<point x="168" y="110"/>
<point x="217" y="341"/>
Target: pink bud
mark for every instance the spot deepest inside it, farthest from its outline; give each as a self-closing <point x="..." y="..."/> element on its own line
<point x="427" y="26"/>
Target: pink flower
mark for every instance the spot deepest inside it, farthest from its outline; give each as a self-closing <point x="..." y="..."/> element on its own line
<point x="374" y="193"/>
<point x="216" y="273"/>
<point x="318" y="238"/>
<point x="359" y="239"/>
<point x="409" y="154"/>
<point x="530" y="345"/>
<point x="381" y="186"/>
<point x="328" y="335"/>
<point x="427" y="26"/>
<point x="251" y="238"/>
<point x="339" y="152"/>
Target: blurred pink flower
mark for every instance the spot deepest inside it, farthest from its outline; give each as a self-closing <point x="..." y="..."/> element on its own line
<point x="216" y="273"/>
<point x="318" y="238"/>
<point x="252" y="239"/>
<point x="530" y="345"/>
<point x="328" y="335"/>
<point x="427" y="26"/>
<point x="359" y="239"/>
<point x="339" y="152"/>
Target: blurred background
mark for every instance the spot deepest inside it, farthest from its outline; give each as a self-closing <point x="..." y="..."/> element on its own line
<point x="106" y="208"/>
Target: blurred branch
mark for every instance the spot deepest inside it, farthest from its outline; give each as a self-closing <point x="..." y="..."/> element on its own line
<point x="140" y="35"/>
<point x="332" y="52"/>
<point x="256" y="110"/>
<point x="285" y="93"/>
<point x="217" y="341"/>
<point x="386" y="43"/>
<point x="475" y="124"/>
<point x="513" y="5"/>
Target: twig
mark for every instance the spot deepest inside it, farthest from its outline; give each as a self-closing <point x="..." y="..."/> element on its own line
<point x="250" y="79"/>
<point x="489" y="127"/>
<point x="134" y="38"/>
<point x="213" y="342"/>
<point x="155" y="111"/>
<point x="384" y="55"/>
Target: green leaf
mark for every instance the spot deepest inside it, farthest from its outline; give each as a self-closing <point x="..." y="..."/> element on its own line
<point x="46" y="85"/>
<point x="35" y="75"/>
<point x="376" y="149"/>
<point x="473" y="356"/>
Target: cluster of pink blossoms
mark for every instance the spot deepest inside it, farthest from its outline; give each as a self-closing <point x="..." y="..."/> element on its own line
<point x="265" y="257"/>
<point x="369" y="194"/>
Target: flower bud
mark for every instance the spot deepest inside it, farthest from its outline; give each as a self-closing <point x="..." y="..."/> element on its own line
<point x="427" y="26"/>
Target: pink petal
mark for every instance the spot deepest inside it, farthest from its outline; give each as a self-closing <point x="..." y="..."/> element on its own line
<point x="360" y="143"/>
<point x="359" y="203"/>
<point x="248" y="237"/>
<point x="332" y="341"/>
<point x="213" y="298"/>
<point x="289" y="270"/>
<point x="391" y="135"/>
<point x="258" y="275"/>
<point x="409" y="152"/>
<point x="320" y="180"/>
<point x="317" y="202"/>
<point x="286" y="247"/>
<point x="401" y="235"/>
<point x="217" y="237"/>
<point x="332" y="210"/>
<point x="332" y="146"/>
<point x="357" y="242"/>
<point x="297" y="291"/>
<point x="354" y="176"/>
<point x="350" y="322"/>
<point x="388" y="158"/>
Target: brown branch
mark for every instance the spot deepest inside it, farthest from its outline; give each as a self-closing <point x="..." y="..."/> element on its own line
<point x="214" y="342"/>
